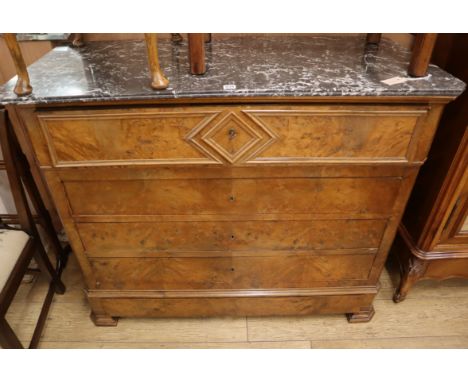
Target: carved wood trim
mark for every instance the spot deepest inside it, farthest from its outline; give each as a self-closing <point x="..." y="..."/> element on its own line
<point x="414" y="101"/>
<point x="212" y="217"/>
<point x="237" y="253"/>
<point x="454" y="182"/>
<point x="287" y="292"/>
<point x="427" y="255"/>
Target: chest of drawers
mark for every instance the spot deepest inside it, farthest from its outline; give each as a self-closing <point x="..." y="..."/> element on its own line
<point x="231" y="209"/>
<point x="278" y="196"/>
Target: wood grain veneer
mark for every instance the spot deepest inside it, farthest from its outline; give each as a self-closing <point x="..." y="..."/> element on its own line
<point x="433" y="237"/>
<point x="226" y="208"/>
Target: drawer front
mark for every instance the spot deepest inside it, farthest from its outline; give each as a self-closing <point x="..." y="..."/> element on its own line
<point x="229" y="272"/>
<point x="121" y="136"/>
<point x="233" y="196"/>
<point x="230" y="134"/>
<point x="336" y="135"/>
<point x="174" y="238"/>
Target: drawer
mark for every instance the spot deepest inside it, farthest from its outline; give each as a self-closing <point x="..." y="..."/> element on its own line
<point x="160" y="239"/>
<point x="229" y="272"/>
<point x="230" y="134"/>
<point x="233" y="196"/>
<point x="121" y="136"/>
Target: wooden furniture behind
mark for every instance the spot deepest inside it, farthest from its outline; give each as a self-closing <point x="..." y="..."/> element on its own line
<point x="23" y="85"/>
<point x="421" y="53"/>
<point x="19" y="247"/>
<point x="231" y="207"/>
<point x="158" y="80"/>
<point x="433" y="236"/>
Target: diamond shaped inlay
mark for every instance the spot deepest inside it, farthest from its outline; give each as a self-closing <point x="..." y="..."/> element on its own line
<point x="233" y="137"/>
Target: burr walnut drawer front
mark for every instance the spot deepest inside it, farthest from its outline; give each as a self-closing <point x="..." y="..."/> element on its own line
<point x="346" y="196"/>
<point x="230" y="272"/>
<point x="178" y="238"/>
<point x="228" y="134"/>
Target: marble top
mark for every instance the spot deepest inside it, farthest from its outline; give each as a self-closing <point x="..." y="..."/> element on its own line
<point x="275" y="66"/>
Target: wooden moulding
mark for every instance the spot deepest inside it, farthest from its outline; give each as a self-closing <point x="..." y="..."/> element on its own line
<point x="158" y="80"/>
<point x="428" y="255"/>
<point x="359" y="307"/>
<point x="23" y="86"/>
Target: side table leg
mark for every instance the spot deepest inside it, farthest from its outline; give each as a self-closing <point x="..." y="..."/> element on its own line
<point x="197" y="53"/>
<point x="422" y="51"/>
<point x="23" y="86"/>
<point x="158" y="80"/>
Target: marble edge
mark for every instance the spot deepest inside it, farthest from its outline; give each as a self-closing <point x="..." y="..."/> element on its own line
<point x="31" y="100"/>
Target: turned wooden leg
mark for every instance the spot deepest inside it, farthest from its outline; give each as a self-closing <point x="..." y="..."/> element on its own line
<point x="158" y="80"/>
<point x="197" y="53"/>
<point x="422" y="51"/>
<point x="23" y="86"/>
<point x="409" y="277"/>
<point x="373" y="38"/>
<point x="77" y="40"/>
<point x="364" y="315"/>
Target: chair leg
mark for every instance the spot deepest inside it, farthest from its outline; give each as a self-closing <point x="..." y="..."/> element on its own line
<point x="8" y="339"/>
<point x="47" y="267"/>
<point x="422" y="51"/>
<point x="34" y="195"/>
<point x="197" y="53"/>
<point x="42" y="318"/>
<point x="158" y="80"/>
<point x="23" y="86"/>
<point x="61" y="254"/>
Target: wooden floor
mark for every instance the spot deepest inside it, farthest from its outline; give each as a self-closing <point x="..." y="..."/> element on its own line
<point x="435" y="315"/>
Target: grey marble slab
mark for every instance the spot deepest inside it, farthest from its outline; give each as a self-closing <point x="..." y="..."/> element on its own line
<point x="296" y="66"/>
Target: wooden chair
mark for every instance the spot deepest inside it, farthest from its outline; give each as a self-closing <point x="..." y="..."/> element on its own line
<point x="158" y="80"/>
<point x="19" y="246"/>
<point x="421" y="53"/>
